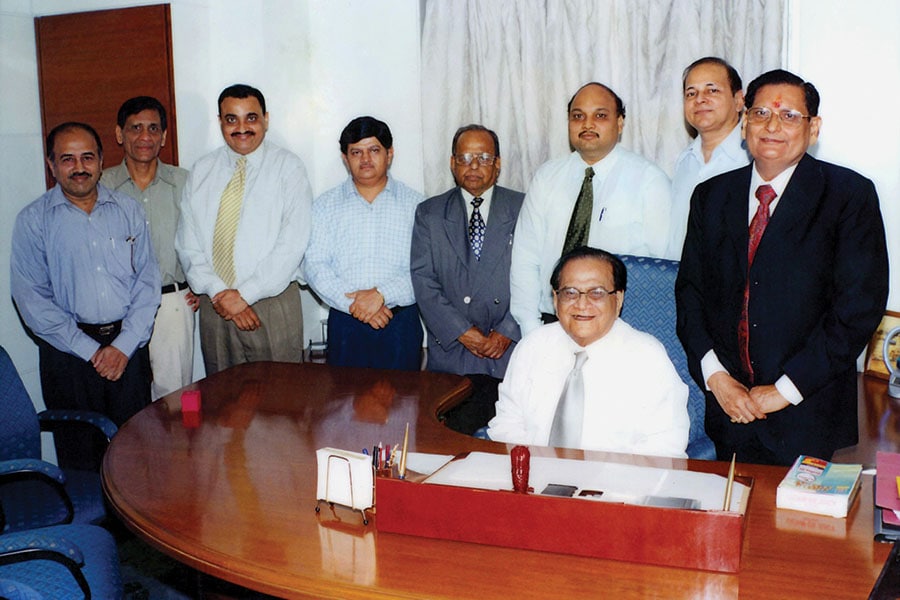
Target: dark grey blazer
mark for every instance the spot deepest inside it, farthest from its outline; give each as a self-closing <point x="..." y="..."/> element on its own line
<point x="453" y="290"/>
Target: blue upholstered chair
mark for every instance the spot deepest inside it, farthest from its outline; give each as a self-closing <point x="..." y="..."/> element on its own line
<point x="33" y="492"/>
<point x="64" y="561"/>
<point x="650" y="306"/>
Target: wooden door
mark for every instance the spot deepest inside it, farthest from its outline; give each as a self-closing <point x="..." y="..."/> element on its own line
<point x="89" y="63"/>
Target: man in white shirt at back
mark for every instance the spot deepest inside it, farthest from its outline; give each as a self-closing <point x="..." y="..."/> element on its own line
<point x="713" y="105"/>
<point x="600" y="195"/>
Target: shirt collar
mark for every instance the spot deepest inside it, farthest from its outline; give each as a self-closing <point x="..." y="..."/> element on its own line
<point x="486" y="196"/>
<point x="254" y="159"/>
<point x="778" y="183"/>
<point x="603" y="166"/>
<point x="350" y="189"/>
<point x="732" y="146"/>
<point x="164" y="173"/>
<point x="58" y="198"/>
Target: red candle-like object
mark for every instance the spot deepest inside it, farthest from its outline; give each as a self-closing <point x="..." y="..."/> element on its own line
<point x="520" y="459"/>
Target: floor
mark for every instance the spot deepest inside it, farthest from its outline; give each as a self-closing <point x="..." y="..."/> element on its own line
<point x="148" y="574"/>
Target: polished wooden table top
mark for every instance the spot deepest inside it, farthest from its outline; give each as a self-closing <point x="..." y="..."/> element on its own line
<point x="234" y="496"/>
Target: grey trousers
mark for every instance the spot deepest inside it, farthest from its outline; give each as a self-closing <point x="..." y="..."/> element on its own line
<point x="280" y="338"/>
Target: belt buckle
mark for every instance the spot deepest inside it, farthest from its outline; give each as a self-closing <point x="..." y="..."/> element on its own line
<point x="106" y="329"/>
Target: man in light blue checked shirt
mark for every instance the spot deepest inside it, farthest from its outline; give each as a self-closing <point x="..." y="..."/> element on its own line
<point x="357" y="261"/>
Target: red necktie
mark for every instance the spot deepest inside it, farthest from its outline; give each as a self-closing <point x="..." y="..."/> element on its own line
<point x="765" y="194"/>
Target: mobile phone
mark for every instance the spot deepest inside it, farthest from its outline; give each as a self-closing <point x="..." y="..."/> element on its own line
<point x="558" y="489"/>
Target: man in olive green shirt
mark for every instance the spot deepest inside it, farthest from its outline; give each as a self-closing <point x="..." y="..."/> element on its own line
<point x="141" y="131"/>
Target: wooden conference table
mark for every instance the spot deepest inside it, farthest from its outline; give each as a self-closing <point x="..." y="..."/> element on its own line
<point x="234" y="496"/>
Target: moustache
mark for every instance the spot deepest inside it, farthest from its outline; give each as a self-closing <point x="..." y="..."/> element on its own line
<point x="79" y="174"/>
<point x="237" y="133"/>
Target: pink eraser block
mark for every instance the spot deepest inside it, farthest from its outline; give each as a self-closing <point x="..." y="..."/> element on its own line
<point x="190" y="401"/>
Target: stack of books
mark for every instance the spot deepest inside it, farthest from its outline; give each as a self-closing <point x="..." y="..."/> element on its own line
<point x="818" y="486"/>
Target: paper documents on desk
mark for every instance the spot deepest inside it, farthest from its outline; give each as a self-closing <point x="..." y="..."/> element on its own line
<point x="620" y="483"/>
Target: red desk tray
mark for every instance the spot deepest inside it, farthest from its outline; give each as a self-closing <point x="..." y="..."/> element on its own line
<point x="708" y="540"/>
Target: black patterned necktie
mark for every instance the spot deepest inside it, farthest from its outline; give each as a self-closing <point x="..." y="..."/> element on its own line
<point x="580" y="223"/>
<point x="476" y="229"/>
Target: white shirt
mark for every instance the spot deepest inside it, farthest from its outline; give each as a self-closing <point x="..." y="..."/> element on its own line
<point x="630" y="216"/>
<point x="273" y="231"/>
<point x="691" y="169"/>
<point x="635" y="402"/>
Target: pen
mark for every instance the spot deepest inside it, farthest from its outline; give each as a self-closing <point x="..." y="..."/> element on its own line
<point x="602" y="211"/>
<point x="729" y="484"/>
<point x="402" y="469"/>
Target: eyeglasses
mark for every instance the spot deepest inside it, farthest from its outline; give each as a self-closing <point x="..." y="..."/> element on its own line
<point x="571" y="295"/>
<point x="464" y="160"/>
<point x="762" y="114"/>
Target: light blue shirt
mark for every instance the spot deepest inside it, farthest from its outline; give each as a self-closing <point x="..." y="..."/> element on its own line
<point x="70" y="267"/>
<point x="357" y="245"/>
<point x="690" y="169"/>
<point x="630" y="216"/>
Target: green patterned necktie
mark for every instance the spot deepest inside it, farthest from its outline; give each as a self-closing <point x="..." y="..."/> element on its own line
<point x="580" y="223"/>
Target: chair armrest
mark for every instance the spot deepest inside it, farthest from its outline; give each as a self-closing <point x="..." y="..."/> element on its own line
<point x="52" y="420"/>
<point x="32" y="469"/>
<point x="36" y="544"/>
<point x="481" y="433"/>
<point x="35" y="468"/>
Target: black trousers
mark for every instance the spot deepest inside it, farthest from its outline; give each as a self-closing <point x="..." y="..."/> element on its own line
<point x="475" y="411"/>
<point x="68" y="382"/>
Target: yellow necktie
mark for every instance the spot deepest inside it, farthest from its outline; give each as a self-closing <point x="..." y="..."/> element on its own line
<point x="227" y="224"/>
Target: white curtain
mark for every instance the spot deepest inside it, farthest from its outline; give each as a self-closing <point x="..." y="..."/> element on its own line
<point x="513" y="65"/>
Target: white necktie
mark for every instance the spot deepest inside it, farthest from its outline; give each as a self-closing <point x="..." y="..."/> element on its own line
<point x="567" y="422"/>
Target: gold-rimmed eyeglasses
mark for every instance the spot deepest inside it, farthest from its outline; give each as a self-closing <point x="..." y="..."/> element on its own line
<point x="571" y="295"/>
<point x="762" y="114"/>
<point x="464" y="160"/>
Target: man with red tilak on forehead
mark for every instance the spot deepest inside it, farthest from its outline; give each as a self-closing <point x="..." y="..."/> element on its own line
<point x="783" y="279"/>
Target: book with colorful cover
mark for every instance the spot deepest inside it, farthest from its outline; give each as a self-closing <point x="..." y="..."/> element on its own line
<point x="818" y="486"/>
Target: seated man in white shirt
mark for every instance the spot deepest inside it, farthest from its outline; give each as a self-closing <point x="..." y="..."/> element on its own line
<point x="624" y="395"/>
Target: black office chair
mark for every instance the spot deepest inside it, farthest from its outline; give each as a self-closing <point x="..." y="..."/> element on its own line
<point x="33" y="492"/>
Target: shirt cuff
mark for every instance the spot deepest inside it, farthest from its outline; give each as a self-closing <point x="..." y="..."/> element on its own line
<point x="709" y="366"/>
<point x="786" y="388"/>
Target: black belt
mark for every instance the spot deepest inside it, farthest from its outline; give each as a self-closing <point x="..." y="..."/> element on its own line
<point x="102" y="333"/>
<point x="397" y="309"/>
<point x="174" y="287"/>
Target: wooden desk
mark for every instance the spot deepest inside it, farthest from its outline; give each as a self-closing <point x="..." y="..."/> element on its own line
<point x="879" y="423"/>
<point x="234" y="497"/>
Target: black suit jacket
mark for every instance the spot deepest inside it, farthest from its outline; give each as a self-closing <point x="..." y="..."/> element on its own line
<point x="818" y="288"/>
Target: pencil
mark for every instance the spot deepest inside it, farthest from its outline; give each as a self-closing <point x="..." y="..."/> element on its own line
<point x="729" y="485"/>
<point x="402" y="470"/>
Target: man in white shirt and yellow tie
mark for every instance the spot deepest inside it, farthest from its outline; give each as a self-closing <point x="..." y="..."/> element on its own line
<point x="590" y="380"/>
<point x="245" y="224"/>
